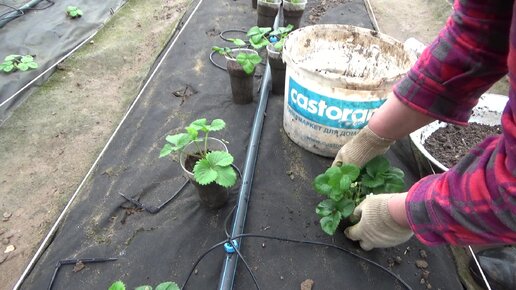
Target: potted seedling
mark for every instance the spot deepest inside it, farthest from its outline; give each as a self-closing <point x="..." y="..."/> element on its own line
<point x="347" y="185"/>
<point x="260" y="37"/>
<point x="292" y="12"/>
<point x="119" y="285"/>
<point x="267" y="11"/>
<point x="240" y="63"/>
<point x="16" y="62"/>
<point x="73" y="12"/>
<point x="205" y="160"/>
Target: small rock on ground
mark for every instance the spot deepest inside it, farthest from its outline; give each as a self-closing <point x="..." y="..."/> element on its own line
<point x="307" y="284"/>
<point x="421" y="264"/>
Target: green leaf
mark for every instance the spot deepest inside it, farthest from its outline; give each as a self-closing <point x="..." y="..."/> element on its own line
<point x="219" y="158"/>
<point x="199" y="124"/>
<point x="27" y="58"/>
<point x="32" y="64"/>
<point x="204" y="173"/>
<point x="395" y="172"/>
<point x="8" y="68"/>
<point x="12" y="57"/>
<point x="248" y="61"/>
<point x="79" y="12"/>
<point x="217" y="125"/>
<point x="351" y="170"/>
<point x="118" y="285"/>
<point x="336" y="194"/>
<point x="330" y="223"/>
<point x="192" y="132"/>
<point x="320" y="184"/>
<point x="394" y="185"/>
<point x="372" y="182"/>
<point x="226" y="176"/>
<point x="255" y="38"/>
<point x="345" y="207"/>
<point x="264" y="30"/>
<point x="344" y="183"/>
<point x="22" y="66"/>
<point x="166" y="150"/>
<point x="143" y="287"/>
<point x="179" y="140"/>
<point x="262" y="42"/>
<point x="325" y="207"/>
<point x="167" y="286"/>
<point x="238" y="42"/>
<point x="377" y="165"/>
<point x="253" y="31"/>
<point x="73" y="13"/>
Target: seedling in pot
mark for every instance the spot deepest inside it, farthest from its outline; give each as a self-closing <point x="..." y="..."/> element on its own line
<point x="248" y="61"/>
<point x="73" y="12"/>
<point x="119" y="285"/>
<point x="260" y="37"/>
<point x="16" y="62"/>
<point x="347" y="185"/>
<point x="211" y="166"/>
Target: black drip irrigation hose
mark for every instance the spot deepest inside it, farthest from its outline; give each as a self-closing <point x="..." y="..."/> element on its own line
<point x="232" y="47"/>
<point x="305" y="242"/>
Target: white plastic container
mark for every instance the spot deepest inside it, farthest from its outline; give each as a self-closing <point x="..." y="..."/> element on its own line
<point x="336" y="77"/>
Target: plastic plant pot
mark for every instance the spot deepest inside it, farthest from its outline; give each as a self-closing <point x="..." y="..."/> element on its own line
<point x="292" y="13"/>
<point x="278" y="68"/>
<point x="267" y="11"/>
<point x="253" y="2"/>
<point x="212" y="195"/>
<point x="242" y="84"/>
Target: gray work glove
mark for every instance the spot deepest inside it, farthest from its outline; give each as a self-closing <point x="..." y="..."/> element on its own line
<point x="376" y="228"/>
<point x="362" y="147"/>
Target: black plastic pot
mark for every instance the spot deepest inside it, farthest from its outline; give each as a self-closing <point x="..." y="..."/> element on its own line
<point x="211" y="195"/>
<point x="292" y="13"/>
<point x="267" y="12"/>
<point x="253" y="2"/>
<point x="242" y="84"/>
<point x="278" y="68"/>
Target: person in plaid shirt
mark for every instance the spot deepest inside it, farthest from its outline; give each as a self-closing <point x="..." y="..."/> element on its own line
<point x="475" y="201"/>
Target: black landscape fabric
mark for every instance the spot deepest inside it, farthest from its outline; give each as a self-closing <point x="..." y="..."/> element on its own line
<point x="46" y="32"/>
<point x="163" y="247"/>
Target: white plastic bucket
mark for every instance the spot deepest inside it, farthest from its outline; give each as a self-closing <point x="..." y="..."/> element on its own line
<point x="336" y="77"/>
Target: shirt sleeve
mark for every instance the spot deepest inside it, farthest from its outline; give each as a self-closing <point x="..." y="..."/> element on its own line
<point x="475" y="201"/>
<point x="468" y="56"/>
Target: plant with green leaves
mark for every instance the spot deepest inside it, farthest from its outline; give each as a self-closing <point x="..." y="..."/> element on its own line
<point x="211" y="166"/>
<point x="73" y="11"/>
<point x="347" y="185"/>
<point x="248" y="61"/>
<point x="262" y="36"/>
<point x="119" y="285"/>
<point x="16" y="62"/>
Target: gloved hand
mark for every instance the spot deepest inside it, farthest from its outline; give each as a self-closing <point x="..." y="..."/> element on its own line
<point x="376" y="228"/>
<point x="362" y="147"/>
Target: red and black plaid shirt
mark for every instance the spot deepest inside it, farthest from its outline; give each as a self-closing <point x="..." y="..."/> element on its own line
<point x="475" y="201"/>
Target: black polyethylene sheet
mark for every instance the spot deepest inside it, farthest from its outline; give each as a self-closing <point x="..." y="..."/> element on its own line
<point x="162" y="247"/>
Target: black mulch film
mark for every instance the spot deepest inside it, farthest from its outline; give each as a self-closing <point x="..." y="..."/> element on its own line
<point x="163" y="247"/>
<point x="46" y="32"/>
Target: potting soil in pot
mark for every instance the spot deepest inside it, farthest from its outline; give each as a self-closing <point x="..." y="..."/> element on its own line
<point x="449" y="144"/>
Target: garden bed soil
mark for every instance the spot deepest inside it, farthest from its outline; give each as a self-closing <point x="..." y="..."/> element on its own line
<point x="449" y="144"/>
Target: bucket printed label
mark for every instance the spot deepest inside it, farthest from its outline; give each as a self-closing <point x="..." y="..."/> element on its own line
<point x="328" y="111"/>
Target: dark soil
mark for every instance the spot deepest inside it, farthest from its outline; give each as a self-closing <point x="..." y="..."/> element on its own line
<point x="451" y="143"/>
<point x="190" y="162"/>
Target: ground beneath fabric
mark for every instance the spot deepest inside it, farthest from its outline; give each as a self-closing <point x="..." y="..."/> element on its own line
<point x="51" y="141"/>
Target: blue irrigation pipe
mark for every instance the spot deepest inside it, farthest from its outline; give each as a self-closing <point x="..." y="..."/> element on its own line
<point x="227" y="276"/>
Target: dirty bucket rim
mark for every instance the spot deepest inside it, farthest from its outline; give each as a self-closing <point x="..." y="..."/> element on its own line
<point x="355" y="82"/>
